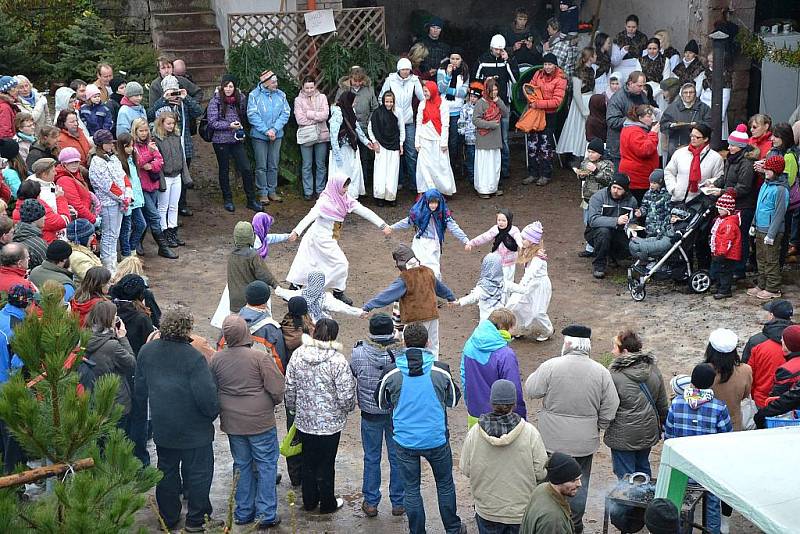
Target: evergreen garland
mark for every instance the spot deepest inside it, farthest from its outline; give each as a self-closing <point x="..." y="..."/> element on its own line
<point x="754" y="47"/>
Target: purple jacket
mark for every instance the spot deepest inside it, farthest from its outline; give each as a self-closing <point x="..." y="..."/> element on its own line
<point x="486" y="359"/>
<point x="223" y="135"/>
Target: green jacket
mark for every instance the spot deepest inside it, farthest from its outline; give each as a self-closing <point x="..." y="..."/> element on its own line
<point x="49" y="271"/>
<point x="547" y="513"/>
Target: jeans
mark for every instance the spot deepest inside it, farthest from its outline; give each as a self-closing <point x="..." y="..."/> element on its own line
<point x="626" y="462"/>
<point x="196" y="467"/>
<point x="540" y="153"/>
<point x="607" y="241"/>
<point x="589" y="248"/>
<point x="374" y="428"/>
<point x="768" y="259"/>
<point x="319" y="471"/>
<point x="256" y="496"/>
<point x="316" y="154"/>
<point x="454" y="142"/>
<point x="505" y="155"/>
<point x="469" y="163"/>
<point x="268" y="154"/>
<point x="410" y="157"/>
<point x="131" y="231"/>
<point x="712" y="518"/>
<point x="577" y="504"/>
<point x="13" y="453"/>
<point x="722" y="273"/>
<point x="112" y="220"/>
<point x="137" y="432"/>
<point x="746" y="216"/>
<point x="224" y="153"/>
<point x="491" y="527"/>
<point x="150" y="211"/>
<point x="168" y="202"/>
<point x="441" y="461"/>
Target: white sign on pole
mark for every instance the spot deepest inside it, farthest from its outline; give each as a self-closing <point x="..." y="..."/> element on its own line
<point x="319" y="22"/>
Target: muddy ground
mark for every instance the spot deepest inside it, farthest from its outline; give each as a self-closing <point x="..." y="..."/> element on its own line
<point x="674" y="323"/>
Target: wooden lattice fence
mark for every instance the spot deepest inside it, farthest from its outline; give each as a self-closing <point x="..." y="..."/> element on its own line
<point x="352" y="27"/>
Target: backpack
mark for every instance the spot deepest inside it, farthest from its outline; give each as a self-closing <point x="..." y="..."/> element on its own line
<point x="206" y="133"/>
<point x="259" y="343"/>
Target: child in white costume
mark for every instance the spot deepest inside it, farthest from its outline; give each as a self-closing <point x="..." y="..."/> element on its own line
<point x="531" y="297"/>
<point x="321" y="303"/>
<point x="506" y="241"/>
<point x="490" y="292"/>
<point x="319" y="250"/>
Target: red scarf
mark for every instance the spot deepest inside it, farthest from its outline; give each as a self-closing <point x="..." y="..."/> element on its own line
<point x="492" y="114"/>
<point x="432" y="112"/>
<point x="695" y="174"/>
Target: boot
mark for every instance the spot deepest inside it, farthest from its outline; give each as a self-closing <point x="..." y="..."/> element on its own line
<point x="168" y="239"/>
<point x="178" y="241"/>
<point x="339" y="295"/>
<point x="163" y="248"/>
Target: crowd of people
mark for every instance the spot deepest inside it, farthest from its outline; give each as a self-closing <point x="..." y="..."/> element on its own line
<point x="82" y="186"/>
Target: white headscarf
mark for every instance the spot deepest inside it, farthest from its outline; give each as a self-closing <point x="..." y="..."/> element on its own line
<point x="314" y="293"/>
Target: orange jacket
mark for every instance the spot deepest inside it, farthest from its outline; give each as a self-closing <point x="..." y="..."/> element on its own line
<point x="553" y="86"/>
<point x="80" y="142"/>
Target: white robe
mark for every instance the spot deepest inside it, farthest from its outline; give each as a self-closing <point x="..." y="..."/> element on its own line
<point x="530" y="299"/>
<point x="386" y="167"/>
<point x="476" y="297"/>
<point x="433" y="165"/>
<point x="573" y="136"/>
<point x="329" y="305"/>
<point x="351" y="167"/>
<point x="487" y="170"/>
<point x="319" y="251"/>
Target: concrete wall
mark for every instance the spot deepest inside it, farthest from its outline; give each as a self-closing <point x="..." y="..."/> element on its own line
<point x="223" y="7"/>
<point x="653" y="15"/>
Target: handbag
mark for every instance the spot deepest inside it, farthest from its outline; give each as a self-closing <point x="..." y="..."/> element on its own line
<point x="307" y="135"/>
<point x="162" y="182"/>
<point x="749" y="410"/>
<point x="186" y="177"/>
<point x="652" y="401"/>
<point x="290" y="445"/>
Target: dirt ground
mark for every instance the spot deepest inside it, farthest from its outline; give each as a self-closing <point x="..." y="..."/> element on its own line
<point x="674" y="323"/>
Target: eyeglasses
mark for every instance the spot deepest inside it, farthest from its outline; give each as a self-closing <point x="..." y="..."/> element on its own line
<point x="696" y="137"/>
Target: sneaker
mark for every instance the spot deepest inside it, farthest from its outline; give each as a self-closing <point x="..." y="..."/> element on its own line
<point x="484" y="196"/>
<point x="543" y="181"/>
<point x="599" y="274"/>
<point x="243" y="521"/>
<point x="275" y="197"/>
<point x="339" y="504"/>
<point x="498" y="193"/>
<point x="368" y="509"/>
<point x="767" y="295"/>
<point x="530" y="179"/>
<point x="264" y="200"/>
<point x="543" y="337"/>
<point x="585" y="254"/>
<point x="720" y="296"/>
<point x="210" y="524"/>
<point x="754" y="291"/>
<point x="266" y="525"/>
<point x="229" y="206"/>
<point x="398" y="510"/>
<point x="185" y="212"/>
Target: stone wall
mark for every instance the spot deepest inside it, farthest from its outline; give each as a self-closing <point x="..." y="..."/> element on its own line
<point x="131" y="18"/>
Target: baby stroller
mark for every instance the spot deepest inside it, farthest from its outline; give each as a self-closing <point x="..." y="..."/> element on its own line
<point x="674" y="264"/>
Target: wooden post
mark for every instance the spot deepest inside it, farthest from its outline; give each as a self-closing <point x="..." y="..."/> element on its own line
<point x="33" y="475"/>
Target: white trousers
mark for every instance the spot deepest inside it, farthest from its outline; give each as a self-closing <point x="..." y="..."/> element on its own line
<point x="433" y="336"/>
<point x="168" y="202"/>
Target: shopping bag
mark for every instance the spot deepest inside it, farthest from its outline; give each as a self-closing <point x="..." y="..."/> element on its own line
<point x="290" y="445"/>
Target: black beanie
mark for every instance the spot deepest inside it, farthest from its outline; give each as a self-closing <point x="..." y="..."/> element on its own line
<point x="130" y="287"/>
<point x="298" y="306"/>
<point x="621" y="180"/>
<point x="562" y="468"/>
<point x="691" y="46"/>
<point x="58" y="250"/>
<point x="550" y="58"/>
<point x="257" y="293"/>
<point x="381" y="324"/>
<point x="9" y="148"/>
<point x="703" y="376"/>
<point x="661" y="517"/>
<point x="597" y="145"/>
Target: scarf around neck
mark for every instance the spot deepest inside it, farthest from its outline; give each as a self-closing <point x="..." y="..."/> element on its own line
<point x="695" y="174"/>
<point x="347" y="132"/>
<point x="432" y="112"/>
<point x="25" y="137"/>
<point x="697" y="397"/>
<point x="498" y="426"/>
<point x="503" y="236"/>
<point x="492" y="114"/>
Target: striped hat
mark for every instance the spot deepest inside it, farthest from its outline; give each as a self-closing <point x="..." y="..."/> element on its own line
<point x="266" y="75"/>
<point x="739" y="137"/>
<point x="533" y="232"/>
<point x="727" y="201"/>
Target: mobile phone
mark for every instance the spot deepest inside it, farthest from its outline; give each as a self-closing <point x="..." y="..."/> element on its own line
<point x="118" y="323"/>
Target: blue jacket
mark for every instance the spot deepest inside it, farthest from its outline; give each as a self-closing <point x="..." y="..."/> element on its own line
<point x="127" y="114"/>
<point x="136" y="187"/>
<point x="773" y="200"/>
<point x="267" y="110"/>
<point x="96" y="117"/>
<point x="486" y="359"/>
<point x="8" y="362"/>
<point x="418" y="389"/>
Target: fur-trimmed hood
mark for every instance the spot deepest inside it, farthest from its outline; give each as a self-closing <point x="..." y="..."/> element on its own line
<point x="635" y="366"/>
<point x="317" y="352"/>
<point x="344" y="82"/>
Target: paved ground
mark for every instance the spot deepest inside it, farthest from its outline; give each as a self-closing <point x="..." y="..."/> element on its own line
<point x="674" y="323"/>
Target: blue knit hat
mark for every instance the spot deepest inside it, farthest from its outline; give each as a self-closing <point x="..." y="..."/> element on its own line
<point x="6" y="83"/>
<point x="79" y="231"/>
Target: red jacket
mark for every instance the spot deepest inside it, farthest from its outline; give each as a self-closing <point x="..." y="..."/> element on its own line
<point x="11" y="276"/>
<point x="53" y="222"/>
<point x="82" y="309"/>
<point x="786" y="376"/>
<point x="80" y="142"/>
<point x="765" y="358"/>
<point x="764" y="144"/>
<point x="143" y="156"/>
<point x="639" y="150"/>
<point x="553" y="86"/>
<point x="8" y="112"/>
<point x="726" y="237"/>
<point x="76" y="193"/>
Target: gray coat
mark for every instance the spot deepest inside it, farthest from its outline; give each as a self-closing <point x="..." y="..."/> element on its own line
<point x="676" y="112"/>
<point x="365" y="103"/>
<point x="616" y="112"/>
<point x="605" y="209"/>
<point x="113" y="355"/>
<point x="493" y="140"/>
<point x="368" y="362"/>
<point x="637" y="424"/>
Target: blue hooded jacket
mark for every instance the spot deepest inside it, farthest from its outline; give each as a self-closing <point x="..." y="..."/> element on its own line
<point x="8" y="362"/>
<point x="486" y="359"/>
<point x="267" y="110"/>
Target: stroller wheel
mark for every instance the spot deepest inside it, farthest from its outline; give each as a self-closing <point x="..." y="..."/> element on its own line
<point x="638" y="292"/>
<point x="700" y="281"/>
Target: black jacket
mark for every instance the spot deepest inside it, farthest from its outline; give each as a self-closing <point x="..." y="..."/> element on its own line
<point x="740" y="175"/>
<point x="113" y="355"/>
<point x="783" y="404"/>
<point x="137" y="324"/>
<point x="438" y="51"/>
<point x="175" y="377"/>
<point x="772" y="330"/>
<point x="507" y="72"/>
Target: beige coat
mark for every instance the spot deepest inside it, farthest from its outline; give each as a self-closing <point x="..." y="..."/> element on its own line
<point x="504" y="471"/>
<point x="734" y="391"/>
<point x="579" y="400"/>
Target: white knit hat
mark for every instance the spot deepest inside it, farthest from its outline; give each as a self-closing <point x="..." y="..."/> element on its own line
<point x="723" y="340"/>
<point x="498" y="41"/>
<point x="739" y="137"/>
<point x="403" y="63"/>
<point x="170" y="83"/>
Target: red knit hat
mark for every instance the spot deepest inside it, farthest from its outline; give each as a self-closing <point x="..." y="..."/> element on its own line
<point x="727" y="201"/>
<point x="791" y="338"/>
<point x="775" y="164"/>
